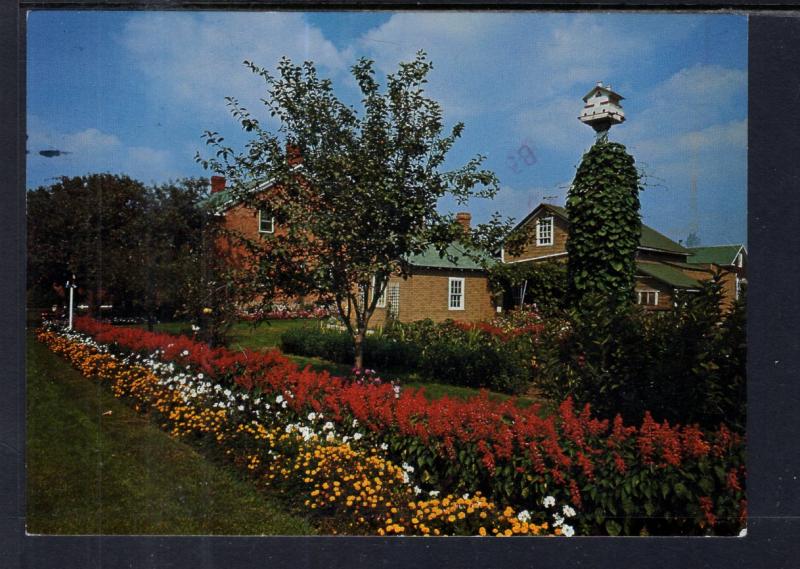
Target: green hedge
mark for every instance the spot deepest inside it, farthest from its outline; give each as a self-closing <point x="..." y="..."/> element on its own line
<point x="441" y="353"/>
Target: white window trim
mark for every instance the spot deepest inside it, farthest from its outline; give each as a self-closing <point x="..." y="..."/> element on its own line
<point x="539" y="241"/>
<point x="645" y="291"/>
<point x="271" y="222"/>
<point x="450" y="282"/>
<point x="382" y="299"/>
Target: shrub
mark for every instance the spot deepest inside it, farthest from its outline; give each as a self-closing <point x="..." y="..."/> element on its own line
<point x="684" y="365"/>
<point x="454" y="353"/>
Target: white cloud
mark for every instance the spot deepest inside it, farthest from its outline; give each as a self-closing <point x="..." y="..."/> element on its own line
<point x="197" y="60"/>
<point x="92" y="151"/>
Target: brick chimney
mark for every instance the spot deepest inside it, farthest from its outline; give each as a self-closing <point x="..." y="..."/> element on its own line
<point x="293" y="156"/>
<point x="464" y="218"/>
<point x="217" y="184"/>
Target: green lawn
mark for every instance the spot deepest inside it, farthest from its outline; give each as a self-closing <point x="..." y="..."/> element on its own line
<point x="268" y="335"/>
<point x="94" y="466"/>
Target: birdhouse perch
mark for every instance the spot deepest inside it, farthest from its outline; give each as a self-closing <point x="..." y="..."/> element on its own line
<point x="601" y="109"/>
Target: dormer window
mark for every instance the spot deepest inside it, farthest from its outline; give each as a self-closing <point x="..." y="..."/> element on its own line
<point x="266" y="223"/>
<point x="544" y="231"/>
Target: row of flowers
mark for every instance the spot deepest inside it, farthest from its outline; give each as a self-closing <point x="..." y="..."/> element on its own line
<point x="650" y="478"/>
<point x="285" y="313"/>
<point x="348" y="485"/>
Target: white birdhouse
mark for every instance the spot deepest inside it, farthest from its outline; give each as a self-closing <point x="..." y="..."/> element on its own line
<point x="601" y="109"/>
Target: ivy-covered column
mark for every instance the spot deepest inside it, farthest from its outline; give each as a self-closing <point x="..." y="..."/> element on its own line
<point x="605" y="225"/>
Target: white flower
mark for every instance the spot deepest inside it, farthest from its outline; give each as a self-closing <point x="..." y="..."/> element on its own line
<point x="185" y="353"/>
<point x="568" y="510"/>
<point x="355" y="423"/>
<point x="743" y="533"/>
<point x="200" y="376"/>
<point x="466" y="496"/>
<point x="558" y="520"/>
<point x="283" y="404"/>
<point x="549" y="502"/>
<point x="524" y="516"/>
<point x="433" y="493"/>
<point x="417" y="490"/>
<point x="240" y="407"/>
<point x="279" y="399"/>
<point x="567" y="531"/>
<point x="227" y="393"/>
<point x="312" y="416"/>
<point x="357" y="436"/>
<point x="327" y="426"/>
<point x="330" y="436"/>
<point x="384" y="446"/>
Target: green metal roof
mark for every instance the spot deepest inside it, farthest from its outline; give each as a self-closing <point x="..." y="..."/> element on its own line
<point x="668" y="274"/>
<point x="218" y="200"/>
<point x="430" y="258"/>
<point x="722" y="255"/>
<point x="652" y="239"/>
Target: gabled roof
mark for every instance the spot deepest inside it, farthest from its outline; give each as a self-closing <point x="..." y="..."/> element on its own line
<point x="722" y="255"/>
<point x="667" y="274"/>
<point x="430" y="258"/>
<point x="225" y="199"/>
<point x="605" y="90"/>
<point x="650" y="238"/>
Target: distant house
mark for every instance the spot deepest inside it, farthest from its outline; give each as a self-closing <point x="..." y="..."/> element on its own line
<point x="662" y="265"/>
<point x="450" y="286"/>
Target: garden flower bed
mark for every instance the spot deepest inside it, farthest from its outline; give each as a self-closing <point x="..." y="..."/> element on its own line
<point x="300" y="431"/>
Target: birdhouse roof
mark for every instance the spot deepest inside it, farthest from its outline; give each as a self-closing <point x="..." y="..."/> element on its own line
<point x="606" y="90"/>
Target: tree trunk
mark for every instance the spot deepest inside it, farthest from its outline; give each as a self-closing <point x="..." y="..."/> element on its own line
<point x="358" y="344"/>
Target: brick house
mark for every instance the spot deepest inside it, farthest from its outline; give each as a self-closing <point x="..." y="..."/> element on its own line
<point x="662" y="265"/>
<point x="452" y="286"/>
<point x="455" y="286"/>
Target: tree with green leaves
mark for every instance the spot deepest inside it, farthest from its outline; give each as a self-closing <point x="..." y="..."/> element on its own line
<point x="605" y="225"/>
<point x="364" y="197"/>
<point x="126" y="243"/>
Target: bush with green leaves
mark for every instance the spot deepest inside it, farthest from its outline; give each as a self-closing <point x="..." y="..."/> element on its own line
<point x="449" y="352"/>
<point x="686" y="364"/>
<point x="541" y="285"/>
<point x="605" y="226"/>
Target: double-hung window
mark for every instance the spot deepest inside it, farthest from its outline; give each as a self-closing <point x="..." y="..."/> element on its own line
<point x="544" y="231"/>
<point x="266" y="223"/>
<point x="647" y="297"/>
<point x="456" y="296"/>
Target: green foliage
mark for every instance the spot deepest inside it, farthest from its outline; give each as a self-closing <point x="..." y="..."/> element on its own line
<point x="603" y="208"/>
<point x="444" y="353"/>
<point x="684" y="365"/>
<point x="544" y="284"/>
<point x="126" y="243"/>
<point x="366" y="196"/>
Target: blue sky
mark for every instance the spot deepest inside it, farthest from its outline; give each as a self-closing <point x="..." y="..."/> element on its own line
<point x="132" y="92"/>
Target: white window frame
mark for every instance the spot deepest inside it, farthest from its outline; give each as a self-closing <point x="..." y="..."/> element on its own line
<point x="260" y="224"/>
<point x="646" y="292"/>
<point x="460" y="294"/>
<point x="541" y="239"/>
<point x="393" y="291"/>
<point x="382" y="299"/>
